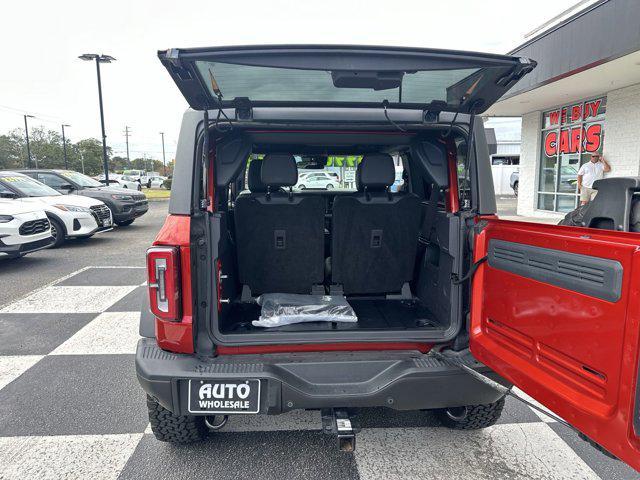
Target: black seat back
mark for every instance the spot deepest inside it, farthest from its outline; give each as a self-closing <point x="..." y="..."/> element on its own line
<point x="279" y="236"/>
<point x="375" y="232"/>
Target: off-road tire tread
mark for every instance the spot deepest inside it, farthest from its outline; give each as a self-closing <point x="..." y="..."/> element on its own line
<point x="478" y="416"/>
<point x="172" y="428"/>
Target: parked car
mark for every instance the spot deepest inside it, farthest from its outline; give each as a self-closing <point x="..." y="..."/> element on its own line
<point x="71" y="216"/>
<point x="24" y="228"/>
<point x="125" y="205"/>
<point x="156" y="182"/>
<point x="317" y="180"/>
<point x="121" y="181"/>
<point x="550" y="309"/>
<point x="141" y="176"/>
<point x="514" y="181"/>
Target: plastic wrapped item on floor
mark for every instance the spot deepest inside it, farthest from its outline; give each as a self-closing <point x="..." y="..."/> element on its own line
<point x="280" y="309"/>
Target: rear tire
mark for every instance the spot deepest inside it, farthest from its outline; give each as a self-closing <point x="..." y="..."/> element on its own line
<point x="471" y="417"/>
<point x="124" y="223"/>
<point x="301" y="187"/>
<point x="329" y="186"/>
<point x="515" y="189"/>
<point x="57" y="232"/>
<point x="172" y="428"/>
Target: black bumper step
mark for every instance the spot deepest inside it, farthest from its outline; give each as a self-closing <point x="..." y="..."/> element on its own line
<point x="403" y="380"/>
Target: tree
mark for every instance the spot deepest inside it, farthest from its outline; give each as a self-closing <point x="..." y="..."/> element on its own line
<point x="118" y="164"/>
<point x="88" y="150"/>
<point x="46" y="148"/>
<point x="13" y="150"/>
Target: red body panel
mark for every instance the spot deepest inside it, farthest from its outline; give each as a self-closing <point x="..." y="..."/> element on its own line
<point x="576" y="354"/>
<point x="452" y="198"/>
<point x="177" y="336"/>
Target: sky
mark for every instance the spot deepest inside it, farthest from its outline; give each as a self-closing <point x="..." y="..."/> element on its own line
<point x="42" y="76"/>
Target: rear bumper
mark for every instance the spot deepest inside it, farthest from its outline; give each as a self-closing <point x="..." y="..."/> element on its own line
<point x="402" y="380"/>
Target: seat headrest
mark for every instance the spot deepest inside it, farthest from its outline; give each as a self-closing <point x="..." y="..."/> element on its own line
<point x="375" y="172"/>
<point x="254" y="179"/>
<point x="279" y="170"/>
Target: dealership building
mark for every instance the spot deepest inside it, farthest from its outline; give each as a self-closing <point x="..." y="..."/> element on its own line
<point x="582" y="98"/>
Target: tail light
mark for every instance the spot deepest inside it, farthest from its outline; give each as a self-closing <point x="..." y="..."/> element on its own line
<point x="163" y="274"/>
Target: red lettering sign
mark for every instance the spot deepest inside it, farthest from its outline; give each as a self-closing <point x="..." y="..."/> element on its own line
<point x="593" y="138"/>
<point x="576" y="134"/>
<point x="576" y="113"/>
<point x="550" y="144"/>
<point x="553" y="117"/>
<point x="591" y="108"/>
<point x="564" y="141"/>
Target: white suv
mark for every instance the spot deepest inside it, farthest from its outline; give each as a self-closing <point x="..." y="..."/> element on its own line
<point x="317" y="180"/>
<point x="23" y="229"/>
<point x="71" y="216"/>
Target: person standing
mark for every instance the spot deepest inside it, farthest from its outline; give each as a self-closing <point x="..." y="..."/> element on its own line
<point x="590" y="172"/>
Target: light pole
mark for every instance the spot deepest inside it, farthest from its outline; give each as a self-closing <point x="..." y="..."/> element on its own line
<point x="64" y="147"/>
<point x="99" y="58"/>
<point x="164" y="162"/>
<point x="26" y="134"/>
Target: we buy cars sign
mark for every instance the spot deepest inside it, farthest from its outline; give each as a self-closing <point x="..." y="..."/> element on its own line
<point x="569" y="129"/>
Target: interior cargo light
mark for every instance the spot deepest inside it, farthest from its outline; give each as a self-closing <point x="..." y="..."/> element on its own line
<point x="163" y="275"/>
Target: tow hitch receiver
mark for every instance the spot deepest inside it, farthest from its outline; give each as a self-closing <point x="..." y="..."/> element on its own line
<point x="338" y="422"/>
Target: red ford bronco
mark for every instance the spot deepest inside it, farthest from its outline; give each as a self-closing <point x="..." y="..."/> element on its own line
<point x="433" y="284"/>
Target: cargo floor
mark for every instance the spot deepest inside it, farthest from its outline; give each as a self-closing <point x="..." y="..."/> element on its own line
<point x="373" y="314"/>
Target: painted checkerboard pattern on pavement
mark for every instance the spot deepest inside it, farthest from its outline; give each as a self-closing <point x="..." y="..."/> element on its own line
<point x="71" y="407"/>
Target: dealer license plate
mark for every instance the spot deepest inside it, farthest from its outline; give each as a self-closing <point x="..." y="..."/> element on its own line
<point x="224" y="396"/>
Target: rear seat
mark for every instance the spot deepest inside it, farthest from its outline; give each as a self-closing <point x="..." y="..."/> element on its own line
<point x="375" y="232"/>
<point x="279" y="234"/>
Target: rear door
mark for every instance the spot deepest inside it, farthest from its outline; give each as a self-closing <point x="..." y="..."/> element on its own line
<point x="342" y="76"/>
<point x="556" y="311"/>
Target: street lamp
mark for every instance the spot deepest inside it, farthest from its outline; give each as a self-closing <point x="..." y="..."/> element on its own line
<point x="164" y="163"/>
<point x="99" y="58"/>
<point x="64" y="146"/>
<point x="26" y="133"/>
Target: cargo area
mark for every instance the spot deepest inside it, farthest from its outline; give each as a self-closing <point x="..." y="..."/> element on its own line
<point x="387" y="242"/>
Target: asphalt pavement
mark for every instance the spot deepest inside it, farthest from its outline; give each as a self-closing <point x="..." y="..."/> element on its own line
<point x="71" y="406"/>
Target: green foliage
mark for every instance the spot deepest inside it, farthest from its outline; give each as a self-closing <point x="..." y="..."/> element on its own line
<point x="82" y="156"/>
<point x="13" y="151"/>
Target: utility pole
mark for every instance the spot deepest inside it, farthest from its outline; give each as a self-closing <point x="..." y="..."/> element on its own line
<point x="64" y="147"/>
<point x="26" y="134"/>
<point x="127" y="132"/>
<point x="164" y="161"/>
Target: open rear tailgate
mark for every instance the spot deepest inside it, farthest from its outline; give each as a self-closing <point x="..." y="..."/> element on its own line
<point x="342" y="76"/>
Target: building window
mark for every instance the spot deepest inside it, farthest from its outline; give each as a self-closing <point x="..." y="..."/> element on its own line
<point x="570" y="135"/>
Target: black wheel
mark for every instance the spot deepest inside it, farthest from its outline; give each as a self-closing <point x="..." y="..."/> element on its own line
<point x="329" y="186"/>
<point x="124" y="186"/>
<point x="139" y="187"/>
<point x="471" y="417"/>
<point x="169" y="427"/>
<point x="149" y="184"/>
<point x="301" y="187"/>
<point x="57" y="232"/>
<point x="515" y="189"/>
<point x="124" y="223"/>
